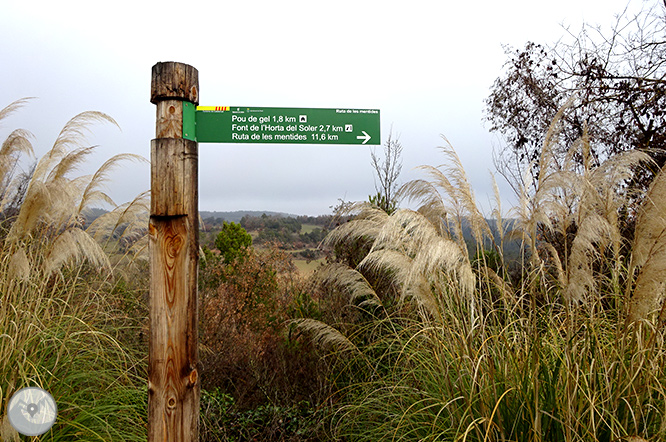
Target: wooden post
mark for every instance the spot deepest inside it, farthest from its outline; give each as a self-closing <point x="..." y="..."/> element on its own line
<point x="173" y="376"/>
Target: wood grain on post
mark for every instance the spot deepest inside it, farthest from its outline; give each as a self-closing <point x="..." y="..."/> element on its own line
<point x="173" y="377"/>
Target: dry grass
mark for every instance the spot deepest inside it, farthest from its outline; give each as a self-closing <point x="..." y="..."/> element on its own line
<point x="57" y="319"/>
<point x="569" y="349"/>
<point x="648" y="260"/>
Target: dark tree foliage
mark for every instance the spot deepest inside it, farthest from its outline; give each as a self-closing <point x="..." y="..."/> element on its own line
<point x="615" y="81"/>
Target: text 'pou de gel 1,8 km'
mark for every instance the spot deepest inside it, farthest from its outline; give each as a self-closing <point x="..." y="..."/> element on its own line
<point x="230" y="124"/>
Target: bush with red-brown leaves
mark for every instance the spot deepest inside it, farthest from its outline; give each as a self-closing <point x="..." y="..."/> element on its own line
<point x="246" y="349"/>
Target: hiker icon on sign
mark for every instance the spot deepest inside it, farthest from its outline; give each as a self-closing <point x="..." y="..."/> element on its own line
<point x="302" y="118"/>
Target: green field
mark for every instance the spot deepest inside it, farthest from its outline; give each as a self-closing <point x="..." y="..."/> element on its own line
<point x="309" y="228"/>
<point x="306" y="268"/>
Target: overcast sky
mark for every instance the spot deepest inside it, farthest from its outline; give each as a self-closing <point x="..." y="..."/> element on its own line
<point x="426" y="64"/>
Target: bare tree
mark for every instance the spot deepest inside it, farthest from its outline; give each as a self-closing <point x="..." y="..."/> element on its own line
<point x="388" y="170"/>
<point x="613" y="81"/>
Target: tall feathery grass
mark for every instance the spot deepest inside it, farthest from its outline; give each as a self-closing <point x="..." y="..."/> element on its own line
<point x="445" y="347"/>
<point x="58" y="323"/>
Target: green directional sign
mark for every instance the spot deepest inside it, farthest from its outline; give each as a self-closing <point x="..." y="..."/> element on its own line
<point x="237" y="124"/>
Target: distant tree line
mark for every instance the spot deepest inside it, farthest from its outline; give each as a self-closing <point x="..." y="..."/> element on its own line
<point x="286" y="231"/>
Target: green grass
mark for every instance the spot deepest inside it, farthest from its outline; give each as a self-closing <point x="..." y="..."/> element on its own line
<point x="61" y="334"/>
<point x="519" y="382"/>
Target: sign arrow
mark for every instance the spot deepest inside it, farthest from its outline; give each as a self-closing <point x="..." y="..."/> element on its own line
<point x="365" y="137"/>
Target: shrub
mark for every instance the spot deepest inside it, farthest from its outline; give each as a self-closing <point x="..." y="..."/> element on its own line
<point x="233" y="242"/>
<point x="247" y="351"/>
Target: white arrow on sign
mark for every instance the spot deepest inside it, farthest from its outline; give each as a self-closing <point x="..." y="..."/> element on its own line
<point x="365" y="137"/>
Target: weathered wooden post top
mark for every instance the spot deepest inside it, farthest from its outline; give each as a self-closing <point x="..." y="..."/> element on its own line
<point x="173" y="376"/>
